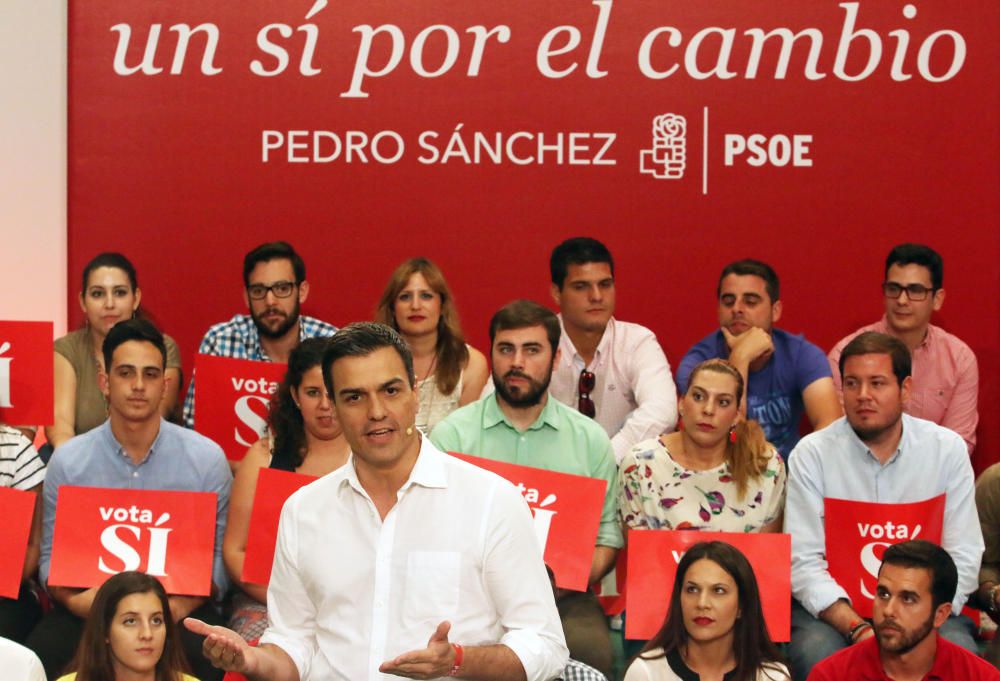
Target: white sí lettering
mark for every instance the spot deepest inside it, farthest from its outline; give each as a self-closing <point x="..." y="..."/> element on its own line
<point x="119" y="549"/>
<point x="249" y="418"/>
<point x="6" y="364"/>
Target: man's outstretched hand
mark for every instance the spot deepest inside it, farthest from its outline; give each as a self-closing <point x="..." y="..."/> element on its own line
<point x="434" y="661"/>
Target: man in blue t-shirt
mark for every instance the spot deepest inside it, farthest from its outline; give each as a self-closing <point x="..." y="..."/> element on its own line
<point x="784" y="373"/>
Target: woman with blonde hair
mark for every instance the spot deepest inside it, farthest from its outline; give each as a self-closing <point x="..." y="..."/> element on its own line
<point x="716" y="473"/>
<point x="418" y="304"/>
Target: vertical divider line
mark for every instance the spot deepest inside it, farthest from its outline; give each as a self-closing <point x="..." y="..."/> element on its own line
<point x="704" y="155"/>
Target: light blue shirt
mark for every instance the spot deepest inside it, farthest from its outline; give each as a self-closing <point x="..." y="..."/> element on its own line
<point x="179" y="460"/>
<point x="835" y="463"/>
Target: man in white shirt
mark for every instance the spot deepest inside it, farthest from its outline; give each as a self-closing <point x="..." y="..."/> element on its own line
<point x="402" y="549"/>
<point x="614" y="372"/>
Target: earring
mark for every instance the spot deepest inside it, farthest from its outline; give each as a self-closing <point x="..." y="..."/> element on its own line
<point x="409" y="430"/>
<point x="732" y="434"/>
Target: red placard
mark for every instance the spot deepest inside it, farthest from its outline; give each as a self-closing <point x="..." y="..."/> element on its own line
<point x="101" y="532"/>
<point x="858" y="532"/>
<point x="273" y="488"/>
<point x="567" y="511"/>
<point x="18" y="507"/>
<point x="26" y="373"/>
<point x="231" y="400"/>
<point x="652" y="566"/>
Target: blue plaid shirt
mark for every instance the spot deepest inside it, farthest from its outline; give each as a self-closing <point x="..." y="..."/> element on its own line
<point x="578" y="671"/>
<point x="238" y="338"/>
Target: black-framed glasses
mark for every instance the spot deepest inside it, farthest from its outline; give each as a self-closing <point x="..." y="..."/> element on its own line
<point x="280" y="289"/>
<point x="913" y="291"/>
<point x="585" y="387"/>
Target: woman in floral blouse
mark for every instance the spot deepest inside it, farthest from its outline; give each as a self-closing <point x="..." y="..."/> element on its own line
<point x="717" y="473"/>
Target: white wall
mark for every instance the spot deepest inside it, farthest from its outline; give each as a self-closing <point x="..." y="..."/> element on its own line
<point x="33" y="161"/>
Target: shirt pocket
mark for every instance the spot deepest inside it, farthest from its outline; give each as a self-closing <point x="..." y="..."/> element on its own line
<point x="431" y="586"/>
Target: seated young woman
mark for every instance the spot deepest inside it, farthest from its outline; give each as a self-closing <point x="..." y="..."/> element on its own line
<point x="716" y="473"/>
<point x="304" y="437"/>
<point x="450" y="374"/>
<point x="129" y="635"/>
<point x="715" y="626"/>
<point x="109" y="295"/>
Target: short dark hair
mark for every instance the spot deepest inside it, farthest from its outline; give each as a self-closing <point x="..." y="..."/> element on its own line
<point x="115" y="260"/>
<point x="917" y="254"/>
<point x="756" y="268"/>
<point x="273" y="250"/>
<point x="577" y="251"/>
<point x="874" y="343"/>
<point x="521" y="314"/>
<point x="752" y="644"/>
<point x="132" y="330"/>
<point x="919" y="553"/>
<point x="361" y="339"/>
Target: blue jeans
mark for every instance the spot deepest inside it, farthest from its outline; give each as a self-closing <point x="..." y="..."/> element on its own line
<point x="814" y="640"/>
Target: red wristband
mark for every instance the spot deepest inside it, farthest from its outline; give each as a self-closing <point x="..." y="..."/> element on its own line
<point x="457" y="665"/>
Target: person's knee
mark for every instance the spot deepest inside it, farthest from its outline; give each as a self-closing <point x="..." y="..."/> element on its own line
<point x="959" y="630"/>
<point x="811" y="643"/>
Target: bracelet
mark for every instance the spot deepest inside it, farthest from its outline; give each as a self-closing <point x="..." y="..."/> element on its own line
<point x="457" y="665"/>
<point x="856" y="629"/>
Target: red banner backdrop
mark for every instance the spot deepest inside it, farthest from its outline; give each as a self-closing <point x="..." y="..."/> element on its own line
<point x="567" y="512"/>
<point x="100" y="532"/>
<point x="857" y="533"/>
<point x="26" y="382"/>
<point x="653" y="556"/>
<point x="273" y="489"/>
<point x="814" y="135"/>
<point x="233" y="398"/>
<point x="15" y="530"/>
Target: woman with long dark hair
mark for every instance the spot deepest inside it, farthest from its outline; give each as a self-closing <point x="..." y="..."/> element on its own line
<point x="715" y="627"/>
<point x="129" y="634"/>
<point x="303" y="437"/>
<point x="716" y="473"/>
<point x="418" y="304"/>
<point x="109" y="294"/>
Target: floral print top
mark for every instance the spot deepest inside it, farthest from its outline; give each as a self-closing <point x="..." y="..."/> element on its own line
<point x="657" y="493"/>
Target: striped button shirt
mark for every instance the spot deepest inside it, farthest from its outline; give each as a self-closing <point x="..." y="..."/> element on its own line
<point x="20" y="465"/>
<point x="239" y="339"/>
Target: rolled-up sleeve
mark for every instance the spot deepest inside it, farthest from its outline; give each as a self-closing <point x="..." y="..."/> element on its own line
<point x="655" y="397"/>
<point x="519" y="586"/>
<point x="290" y="610"/>
<point x="812" y="584"/>
<point x="962" y="537"/>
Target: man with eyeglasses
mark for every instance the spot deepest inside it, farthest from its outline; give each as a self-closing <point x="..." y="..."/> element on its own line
<point x="274" y="281"/>
<point x="945" y="372"/>
<point x="519" y="424"/>
<point x="612" y="371"/>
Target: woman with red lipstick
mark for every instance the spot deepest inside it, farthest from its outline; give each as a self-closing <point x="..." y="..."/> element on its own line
<point x="304" y="438"/>
<point x="418" y="304"/>
<point x="129" y="635"/>
<point x="715" y="627"/>
<point x="716" y="473"/>
<point x="110" y="294"/>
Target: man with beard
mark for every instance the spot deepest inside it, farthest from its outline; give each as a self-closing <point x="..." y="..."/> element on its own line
<point x="916" y="583"/>
<point x="274" y="281"/>
<point x="519" y="424"/>
<point x="874" y="454"/>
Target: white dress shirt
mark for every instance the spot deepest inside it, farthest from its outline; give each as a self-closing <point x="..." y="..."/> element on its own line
<point x="19" y="662"/>
<point x="834" y="462"/>
<point x="634" y="392"/>
<point x="349" y="591"/>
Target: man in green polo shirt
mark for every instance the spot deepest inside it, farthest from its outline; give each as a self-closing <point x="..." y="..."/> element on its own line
<point x="519" y="424"/>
